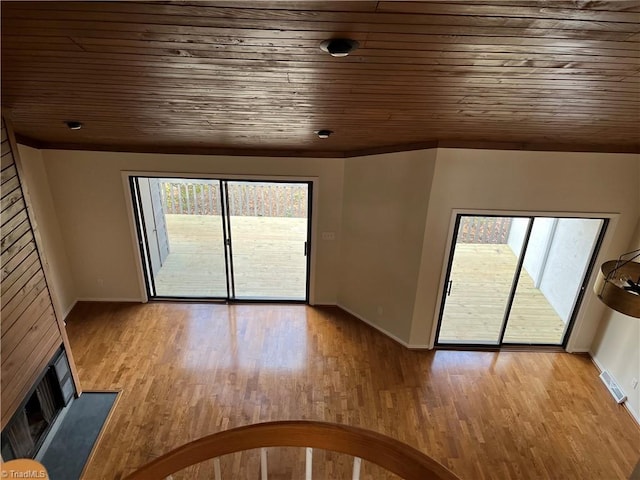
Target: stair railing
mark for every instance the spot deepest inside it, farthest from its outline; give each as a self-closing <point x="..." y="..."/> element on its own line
<point x="386" y="452"/>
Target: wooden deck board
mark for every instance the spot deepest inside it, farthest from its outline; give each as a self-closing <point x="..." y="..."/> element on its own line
<point x="268" y="254"/>
<point x="268" y="263"/>
<point x="482" y="276"/>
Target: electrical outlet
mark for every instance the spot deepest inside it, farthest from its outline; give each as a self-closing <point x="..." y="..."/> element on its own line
<point x="634" y="383"/>
<point x="380" y="311"/>
<point x="100" y="282"/>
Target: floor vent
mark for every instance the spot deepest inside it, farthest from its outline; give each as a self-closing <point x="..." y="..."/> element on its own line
<point x="613" y="387"/>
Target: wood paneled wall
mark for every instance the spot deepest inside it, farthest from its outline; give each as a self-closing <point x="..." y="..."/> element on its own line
<point x="31" y="332"/>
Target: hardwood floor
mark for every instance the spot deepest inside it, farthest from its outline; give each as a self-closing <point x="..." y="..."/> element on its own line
<point x="268" y="257"/>
<point x="187" y="370"/>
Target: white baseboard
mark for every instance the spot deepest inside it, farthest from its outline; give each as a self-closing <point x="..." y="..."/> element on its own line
<point x="579" y="350"/>
<point x="100" y="299"/>
<point x="321" y="302"/>
<point x="626" y="405"/>
<point x="632" y="412"/>
<point x="383" y="331"/>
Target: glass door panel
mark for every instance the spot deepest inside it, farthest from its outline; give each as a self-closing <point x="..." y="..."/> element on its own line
<point x="268" y="229"/>
<point x="557" y="259"/>
<point x="182" y="221"/>
<point x="218" y="239"/>
<point x="480" y="279"/>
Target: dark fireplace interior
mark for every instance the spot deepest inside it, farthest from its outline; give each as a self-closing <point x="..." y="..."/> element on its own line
<point x="24" y="434"/>
<point x="37" y="419"/>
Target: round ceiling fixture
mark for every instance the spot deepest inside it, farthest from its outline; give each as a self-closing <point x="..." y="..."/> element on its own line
<point x="339" y="47"/>
<point x="73" y="125"/>
<point x="324" y="133"/>
<point x="618" y="284"/>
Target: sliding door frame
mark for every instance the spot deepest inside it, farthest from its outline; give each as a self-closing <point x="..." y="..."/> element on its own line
<point x="143" y="245"/>
<point x="227" y="246"/>
<point x="515" y="280"/>
<point x="140" y="251"/>
<point x="308" y="242"/>
<point x="142" y="242"/>
<point x="578" y="313"/>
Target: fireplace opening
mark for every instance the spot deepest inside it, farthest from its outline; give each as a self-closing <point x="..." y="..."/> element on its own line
<point x="35" y="417"/>
<point x="28" y="427"/>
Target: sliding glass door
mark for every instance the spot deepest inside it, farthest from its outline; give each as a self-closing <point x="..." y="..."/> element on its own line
<point x="556" y="264"/>
<point x="186" y="218"/>
<point x="268" y="227"/>
<point x="516" y="280"/>
<point x="480" y="281"/>
<point x="219" y="239"/>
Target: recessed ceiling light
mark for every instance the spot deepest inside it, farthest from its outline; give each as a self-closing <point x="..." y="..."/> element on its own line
<point x="339" y="47"/>
<point x="73" y="125"/>
<point x="324" y="133"/>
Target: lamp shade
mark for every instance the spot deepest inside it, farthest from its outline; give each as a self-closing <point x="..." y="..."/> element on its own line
<point x="610" y="287"/>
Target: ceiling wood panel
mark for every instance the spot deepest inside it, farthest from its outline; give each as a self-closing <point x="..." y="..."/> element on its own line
<point x="248" y="77"/>
<point x="219" y="37"/>
<point x="610" y="12"/>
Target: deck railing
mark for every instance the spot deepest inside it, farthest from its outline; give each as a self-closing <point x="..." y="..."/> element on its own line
<point x="484" y="229"/>
<point x="254" y="199"/>
<point x="386" y="452"/>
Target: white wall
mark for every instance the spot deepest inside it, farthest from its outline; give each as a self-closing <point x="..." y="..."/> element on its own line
<point x="385" y="207"/>
<point x="538" y="247"/>
<point x="616" y="346"/>
<point x="149" y="225"/>
<point x="517" y="232"/>
<point x="382" y="261"/>
<point x="569" y="254"/>
<point x="557" y="256"/>
<point x="62" y="285"/>
<point x="524" y="181"/>
<point x="89" y="198"/>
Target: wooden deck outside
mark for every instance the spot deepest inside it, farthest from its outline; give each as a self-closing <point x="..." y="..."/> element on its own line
<point x="268" y="257"/>
<point x="482" y="275"/>
<point x="269" y="263"/>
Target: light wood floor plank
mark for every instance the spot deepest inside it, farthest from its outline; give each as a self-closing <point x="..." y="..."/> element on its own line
<point x="188" y="370"/>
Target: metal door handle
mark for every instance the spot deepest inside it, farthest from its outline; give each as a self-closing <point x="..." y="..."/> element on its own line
<point x="305" y="249"/>
<point x="449" y="287"/>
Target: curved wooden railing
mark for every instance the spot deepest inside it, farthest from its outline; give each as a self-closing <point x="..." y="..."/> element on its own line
<point x="386" y="452"/>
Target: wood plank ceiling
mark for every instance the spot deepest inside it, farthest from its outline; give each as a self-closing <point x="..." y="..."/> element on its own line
<point x="248" y="77"/>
